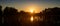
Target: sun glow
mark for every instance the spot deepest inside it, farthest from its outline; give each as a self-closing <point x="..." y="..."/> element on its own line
<point x="31" y="11"/>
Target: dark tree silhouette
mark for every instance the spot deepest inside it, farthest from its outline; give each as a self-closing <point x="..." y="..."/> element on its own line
<point x="0" y="15"/>
<point x="10" y="16"/>
<point x="51" y="16"/>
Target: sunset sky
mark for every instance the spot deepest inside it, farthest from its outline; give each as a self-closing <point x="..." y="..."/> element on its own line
<point x="26" y="5"/>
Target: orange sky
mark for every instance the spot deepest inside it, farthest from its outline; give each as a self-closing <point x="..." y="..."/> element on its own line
<point x="27" y="5"/>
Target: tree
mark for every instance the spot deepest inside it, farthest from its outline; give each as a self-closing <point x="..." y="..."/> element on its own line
<point x="52" y="16"/>
<point x="10" y="16"/>
<point x="0" y="14"/>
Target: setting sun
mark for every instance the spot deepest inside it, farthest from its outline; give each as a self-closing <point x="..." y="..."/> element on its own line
<point x="31" y="11"/>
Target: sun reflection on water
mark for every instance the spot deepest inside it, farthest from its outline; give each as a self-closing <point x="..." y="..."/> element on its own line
<point x="35" y="19"/>
<point x="32" y="18"/>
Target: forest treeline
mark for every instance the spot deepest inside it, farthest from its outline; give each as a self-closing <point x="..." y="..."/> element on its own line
<point x="10" y="16"/>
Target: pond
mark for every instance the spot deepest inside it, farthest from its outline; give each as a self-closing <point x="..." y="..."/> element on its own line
<point x="31" y="21"/>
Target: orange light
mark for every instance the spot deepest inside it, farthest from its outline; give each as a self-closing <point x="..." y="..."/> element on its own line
<point x="31" y="11"/>
<point x="32" y="18"/>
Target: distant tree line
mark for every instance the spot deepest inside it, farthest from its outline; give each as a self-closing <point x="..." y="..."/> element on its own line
<point x="51" y="16"/>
